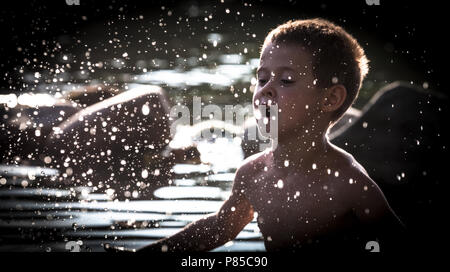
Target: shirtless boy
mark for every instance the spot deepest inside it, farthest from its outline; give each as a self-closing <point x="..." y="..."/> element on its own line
<point x="305" y="192"/>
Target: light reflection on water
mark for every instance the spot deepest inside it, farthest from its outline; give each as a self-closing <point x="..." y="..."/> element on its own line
<point x="78" y="213"/>
<point x="9" y="170"/>
<point x="205" y="185"/>
<point x="191" y="192"/>
<point x="191" y="168"/>
<point x="121" y="222"/>
<point x="231" y="68"/>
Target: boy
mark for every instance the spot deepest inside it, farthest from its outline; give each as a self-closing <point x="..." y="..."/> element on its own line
<point x="306" y="193"/>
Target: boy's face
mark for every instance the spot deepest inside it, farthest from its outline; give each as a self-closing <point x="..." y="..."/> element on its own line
<point x="285" y="78"/>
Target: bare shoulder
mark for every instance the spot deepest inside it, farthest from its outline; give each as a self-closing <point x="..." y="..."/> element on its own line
<point x="351" y="169"/>
<point x="251" y="167"/>
<point x="362" y="193"/>
<point x="348" y="162"/>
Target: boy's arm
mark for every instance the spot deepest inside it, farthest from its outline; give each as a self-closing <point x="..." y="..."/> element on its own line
<point x="374" y="211"/>
<point x="211" y="231"/>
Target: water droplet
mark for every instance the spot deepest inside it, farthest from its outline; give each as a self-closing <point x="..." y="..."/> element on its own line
<point x="145" y="109"/>
<point x="24" y="183"/>
<point x="135" y="194"/>
<point x="110" y="192"/>
<point x="280" y="184"/>
<point x="144" y="173"/>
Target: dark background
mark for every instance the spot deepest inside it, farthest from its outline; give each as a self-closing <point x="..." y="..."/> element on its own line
<point x="409" y="32"/>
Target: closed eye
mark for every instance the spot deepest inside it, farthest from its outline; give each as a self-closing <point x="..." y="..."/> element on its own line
<point x="287" y="81"/>
<point x="261" y="82"/>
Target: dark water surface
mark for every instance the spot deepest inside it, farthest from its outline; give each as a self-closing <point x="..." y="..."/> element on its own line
<point x="45" y="219"/>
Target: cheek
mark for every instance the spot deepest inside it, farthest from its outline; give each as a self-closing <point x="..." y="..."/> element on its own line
<point x="299" y="105"/>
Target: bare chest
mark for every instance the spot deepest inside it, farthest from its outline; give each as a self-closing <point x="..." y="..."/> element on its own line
<point x="297" y="207"/>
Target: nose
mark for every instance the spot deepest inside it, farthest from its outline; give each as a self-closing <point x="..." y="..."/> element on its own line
<point x="266" y="93"/>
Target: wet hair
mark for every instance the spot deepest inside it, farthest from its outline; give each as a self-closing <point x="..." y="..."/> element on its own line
<point x="337" y="58"/>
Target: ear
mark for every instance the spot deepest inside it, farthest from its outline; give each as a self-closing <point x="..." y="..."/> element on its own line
<point x="334" y="98"/>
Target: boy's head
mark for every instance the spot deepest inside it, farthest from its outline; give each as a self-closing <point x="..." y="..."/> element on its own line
<point x="336" y="57"/>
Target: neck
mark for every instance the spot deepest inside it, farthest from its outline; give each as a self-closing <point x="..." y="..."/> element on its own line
<point x="301" y="150"/>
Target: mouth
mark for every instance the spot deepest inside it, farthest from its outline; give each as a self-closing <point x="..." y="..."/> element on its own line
<point x="267" y="112"/>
